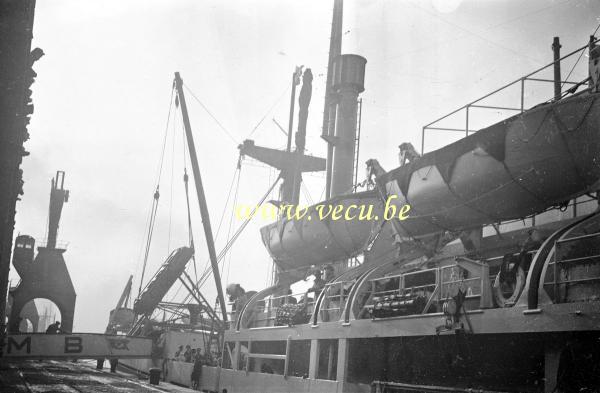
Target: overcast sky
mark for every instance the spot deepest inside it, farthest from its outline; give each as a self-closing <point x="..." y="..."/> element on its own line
<point x="102" y="98"/>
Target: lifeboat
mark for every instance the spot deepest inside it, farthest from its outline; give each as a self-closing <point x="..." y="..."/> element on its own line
<point x="523" y="165"/>
<point x="295" y="243"/>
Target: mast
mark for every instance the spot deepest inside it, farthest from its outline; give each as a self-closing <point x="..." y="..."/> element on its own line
<point x="329" y="112"/>
<point x="200" y="193"/>
<point x="303" y="102"/>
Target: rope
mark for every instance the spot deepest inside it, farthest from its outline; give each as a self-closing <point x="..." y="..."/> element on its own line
<point x="156" y="196"/>
<point x="247" y="221"/>
<point x="481" y="37"/>
<point x="149" y="238"/>
<point x="171" y="186"/>
<point x="235" y="198"/>
<point x="269" y="111"/>
<point x="216" y="234"/>
<point x="211" y="115"/>
<point x="238" y="233"/>
<point x="162" y="154"/>
<point x="306" y="194"/>
<point x="579" y="58"/>
<point x="207" y="266"/>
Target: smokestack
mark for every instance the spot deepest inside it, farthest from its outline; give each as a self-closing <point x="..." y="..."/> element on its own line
<point x="557" y="82"/>
<point x="348" y="82"/>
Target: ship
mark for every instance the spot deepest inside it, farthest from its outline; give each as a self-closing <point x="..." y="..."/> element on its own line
<point x="473" y="267"/>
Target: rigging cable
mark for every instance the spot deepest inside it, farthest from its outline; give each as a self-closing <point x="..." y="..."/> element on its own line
<point x="207" y="266"/>
<point x="577" y="62"/>
<point x="240" y="229"/>
<point x="211" y="115"/>
<point x="235" y="198"/>
<point x="218" y="228"/>
<point x="269" y="110"/>
<point x="481" y="37"/>
<point x="156" y="196"/>
<point x="171" y="184"/>
<point x="207" y="271"/>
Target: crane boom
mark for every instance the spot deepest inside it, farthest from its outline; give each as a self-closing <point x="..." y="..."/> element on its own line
<point x="201" y="197"/>
<point x="126" y="293"/>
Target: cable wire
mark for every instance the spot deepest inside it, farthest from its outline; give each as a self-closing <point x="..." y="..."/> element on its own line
<point x="156" y="195"/>
<point x="211" y="115"/>
<point x="269" y="111"/>
<point x="577" y="62"/>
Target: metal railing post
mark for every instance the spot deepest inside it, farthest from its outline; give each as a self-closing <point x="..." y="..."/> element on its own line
<point x="248" y="356"/>
<point x="467" y="121"/>
<point x="522" y="94"/>
<point x="287" y="357"/>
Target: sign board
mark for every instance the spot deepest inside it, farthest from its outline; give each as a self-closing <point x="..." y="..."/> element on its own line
<point x="69" y="346"/>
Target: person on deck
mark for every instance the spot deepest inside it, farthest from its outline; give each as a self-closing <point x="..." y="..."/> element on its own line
<point x="179" y="353"/>
<point x="238" y="296"/>
<point x="114" y="362"/>
<point x="199" y="361"/>
<point x="320" y="281"/>
<point x="54" y="328"/>
<point x="187" y="355"/>
<point x="15" y="326"/>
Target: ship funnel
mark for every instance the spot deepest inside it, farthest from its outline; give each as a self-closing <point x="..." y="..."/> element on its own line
<point x="347" y="82"/>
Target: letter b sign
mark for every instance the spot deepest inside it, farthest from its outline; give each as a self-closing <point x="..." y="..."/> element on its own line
<point x="73" y="345"/>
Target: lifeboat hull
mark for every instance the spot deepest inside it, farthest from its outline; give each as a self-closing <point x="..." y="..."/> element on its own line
<point x="521" y="166"/>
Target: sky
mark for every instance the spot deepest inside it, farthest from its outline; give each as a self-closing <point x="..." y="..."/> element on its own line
<point x="102" y="99"/>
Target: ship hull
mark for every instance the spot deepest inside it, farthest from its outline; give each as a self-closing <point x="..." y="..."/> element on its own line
<point x="535" y="344"/>
<point x="503" y="362"/>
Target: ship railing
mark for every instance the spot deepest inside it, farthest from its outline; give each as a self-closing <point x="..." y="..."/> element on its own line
<point x="428" y="290"/>
<point x="456" y="279"/>
<point x="282" y="357"/>
<point x="270" y="306"/>
<point x="501" y="257"/>
<point x="576" y="263"/>
<point x="440" y="288"/>
<point x="335" y="298"/>
<point x="478" y="103"/>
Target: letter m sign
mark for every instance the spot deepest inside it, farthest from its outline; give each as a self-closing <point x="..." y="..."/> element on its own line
<point x="11" y="342"/>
